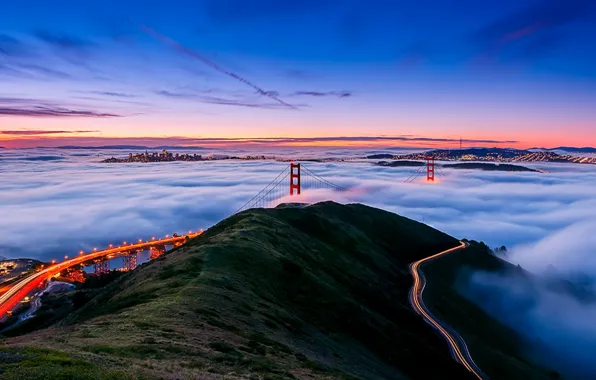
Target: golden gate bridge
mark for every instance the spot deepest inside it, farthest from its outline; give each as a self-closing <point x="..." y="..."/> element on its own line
<point x="299" y="178"/>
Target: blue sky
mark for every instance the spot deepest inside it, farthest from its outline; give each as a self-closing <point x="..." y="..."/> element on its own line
<point x="502" y="70"/>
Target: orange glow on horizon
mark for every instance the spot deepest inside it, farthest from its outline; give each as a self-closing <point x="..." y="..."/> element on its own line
<point x="524" y="141"/>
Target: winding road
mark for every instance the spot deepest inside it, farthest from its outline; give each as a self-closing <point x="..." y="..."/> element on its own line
<point x="457" y="345"/>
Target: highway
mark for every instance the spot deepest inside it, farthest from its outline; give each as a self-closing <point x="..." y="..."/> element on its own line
<point x="19" y="290"/>
<point x="457" y="345"/>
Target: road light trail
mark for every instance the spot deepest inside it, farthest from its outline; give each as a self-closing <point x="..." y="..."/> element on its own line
<point x="18" y="291"/>
<point x="457" y="345"/>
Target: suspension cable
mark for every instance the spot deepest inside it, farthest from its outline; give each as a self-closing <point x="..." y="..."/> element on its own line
<point x="263" y="192"/>
<point x="323" y="180"/>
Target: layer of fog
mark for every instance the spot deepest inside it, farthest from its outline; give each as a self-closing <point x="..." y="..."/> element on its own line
<point x="557" y="324"/>
<point x="51" y="207"/>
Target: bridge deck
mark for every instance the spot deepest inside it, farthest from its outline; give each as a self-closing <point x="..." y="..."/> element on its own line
<point x="18" y="291"/>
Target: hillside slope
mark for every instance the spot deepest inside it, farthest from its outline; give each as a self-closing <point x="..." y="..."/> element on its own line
<point x="292" y="292"/>
<point x="298" y="291"/>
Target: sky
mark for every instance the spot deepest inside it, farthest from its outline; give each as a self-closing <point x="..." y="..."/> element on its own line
<point x="211" y="72"/>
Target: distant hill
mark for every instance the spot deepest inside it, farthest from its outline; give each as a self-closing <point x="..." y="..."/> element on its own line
<point x="497" y="155"/>
<point x="302" y="292"/>
<point x="399" y="163"/>
<point x="380" y="156"/>
<point x="489" y="167"/>
<point x="575" y="150"/>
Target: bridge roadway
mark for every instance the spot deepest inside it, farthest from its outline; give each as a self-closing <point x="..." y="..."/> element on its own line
<point x="19" y="290"/>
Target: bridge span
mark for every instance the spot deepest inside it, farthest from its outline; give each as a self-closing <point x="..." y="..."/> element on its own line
<point x="20" y="289"/>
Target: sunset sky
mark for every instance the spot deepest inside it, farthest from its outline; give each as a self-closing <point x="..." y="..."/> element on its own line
<point x="424" y="73"/>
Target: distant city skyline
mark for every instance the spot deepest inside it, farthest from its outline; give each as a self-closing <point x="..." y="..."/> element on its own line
<point x="317" y="73"/>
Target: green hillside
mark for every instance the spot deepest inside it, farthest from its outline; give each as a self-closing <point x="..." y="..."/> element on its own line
<point x="292" y="292"/>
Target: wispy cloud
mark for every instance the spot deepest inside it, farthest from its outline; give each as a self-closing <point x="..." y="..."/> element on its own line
<point x="174" y="94"/>
<point x="246" y="99"/>
<point x="178" y="47"/>
<point x="63" y="41"/>
<point x="50" y="111"/>
<point x="73" y="49"/>
<point x="30" y="132"/>
<point x="240" y="103"/>
<point x="24" y="107"/>
<point x="112" y="94"/>
<point x="43" y="70"/>
<point x="10" y="46"/>
<point x="338" y="94"/>
<point x="250" y="102"/>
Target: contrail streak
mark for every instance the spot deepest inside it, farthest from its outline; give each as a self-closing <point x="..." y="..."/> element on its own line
<point x="213" y="65"/>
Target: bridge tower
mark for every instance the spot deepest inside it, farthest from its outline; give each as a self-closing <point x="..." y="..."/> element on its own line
<point x="130" y="261"/>
<point x="294" y="178"/>
<point x="430" y="169"/>
<point x="156" y="251"/>
<point x="102" y="266"/>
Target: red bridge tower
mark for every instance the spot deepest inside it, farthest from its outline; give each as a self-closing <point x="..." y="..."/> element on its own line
<point x="430" y="169"/>
<point x="294" y="178"/>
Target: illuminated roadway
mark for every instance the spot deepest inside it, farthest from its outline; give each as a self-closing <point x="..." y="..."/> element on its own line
<point x="20" y="289"/>
<point x="457" y="346"/>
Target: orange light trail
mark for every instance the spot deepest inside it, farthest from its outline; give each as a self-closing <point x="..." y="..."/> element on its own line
<point x="461" y="356"/>
<point x="17" y="292"/>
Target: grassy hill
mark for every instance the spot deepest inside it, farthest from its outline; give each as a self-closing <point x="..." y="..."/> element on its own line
<point x="292" y="292"/>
